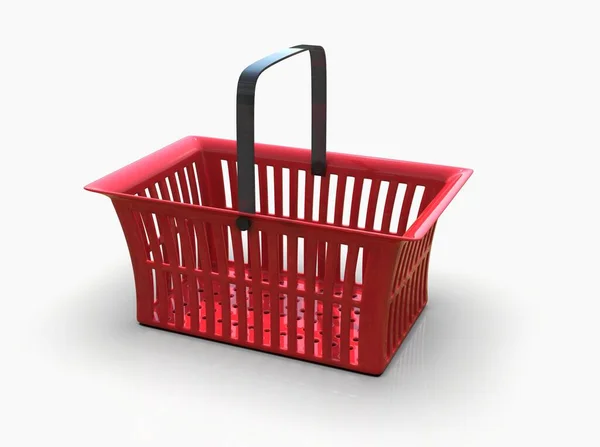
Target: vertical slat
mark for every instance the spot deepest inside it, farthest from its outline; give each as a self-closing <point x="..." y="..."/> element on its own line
<point x="418" y="288"/>
<point x="238" y="259"/>
<point x="320" y="260"/>
<point x="233" y="183"/>
<point x="293" y="193"/>
<point x="324" y="199"/>
<point x="152" y="237"/>
<point x="333" y="255"/>
<point x="404" y="260"/>
<point x="264" y="190"/>
<point x="159" y="258"/>
<point x="187" y="248"/>
<point x="168" y="232"/>
<point x="308" y="196"/>
<point x="372" y="204"/>
<point x="406" y="204"/>
<point x="390" y="330"/>
<point x="204" y="254"/>
<point x="174" y="188"/>
<point x="274" y="289"/>
<point x="264" y="209"/>
<point x="425" y="281"/>
<point x="223" y="271"/>
<point x="184" y="186"/>
<point x="164" y="192"/>
<point x="340" y="194"/>
<point x="292" y="284"/>
<point x="142" y="232"/>
<point x="356" y="195"/>
<point x="402" y="313"/>
<point x="310" y="257"/>
<point x="389" y="207"/>
<point x="278" y="190"/>
<point x="193" y="185"/>
<point x="253" y="249"/>
<point x="347" y="304"/>
<point x="135" y="234"/>
<point x="191" y="170"/>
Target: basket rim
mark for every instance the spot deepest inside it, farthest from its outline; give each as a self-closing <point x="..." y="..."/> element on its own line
<point x="120" y="183"/>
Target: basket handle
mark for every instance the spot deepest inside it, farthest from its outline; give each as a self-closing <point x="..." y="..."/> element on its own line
<point x="245" y="121"/>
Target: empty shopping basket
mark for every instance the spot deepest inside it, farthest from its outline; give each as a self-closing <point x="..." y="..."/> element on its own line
<point x="315" y="256"/>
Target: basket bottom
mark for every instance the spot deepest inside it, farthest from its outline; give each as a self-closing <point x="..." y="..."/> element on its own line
<point x="292" y="322"/>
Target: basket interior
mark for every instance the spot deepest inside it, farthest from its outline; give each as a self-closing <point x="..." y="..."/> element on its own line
<point x="349" y="196"/>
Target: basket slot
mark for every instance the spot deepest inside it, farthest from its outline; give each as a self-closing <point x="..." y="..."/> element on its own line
<point x="271" y="190"/>
<point x="184" y="185"/>
<point x="285" y="192"/>
<point x="364" y="203"/>
<point x="389" y="208"/>
<point x="415" y="205"/>
<point x="380" y="208"/>
<point x="323" y="198"/>
<point x="397" y="208"/>
<point x="173" y="187"/>
<point x="195" y="184"/>
<point x="359" y="271"/>
<point x="406" y="206"/>
<point x="340" y="197"/>
<point x="143" y="233"/>
<point x="226" y="183"/>
<point x="356" y="199"/>
<point x="301" y="194"/>
<point x="308" y="196"/>
<point x="233" y="180"/>
<point x="278" y="190"/>
<point x="293" y="193"/>
<point x="263" y="188"/>
<point x="372" y="202"/>
<point x="164" y="191"/>
<point x="428" y="195"/>
<point x="332" y="198"/>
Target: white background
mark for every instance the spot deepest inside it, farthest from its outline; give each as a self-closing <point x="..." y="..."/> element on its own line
<point x="506" y="352"/>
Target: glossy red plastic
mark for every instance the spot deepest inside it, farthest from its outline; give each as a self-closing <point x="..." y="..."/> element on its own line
<point x="332" y="270"/>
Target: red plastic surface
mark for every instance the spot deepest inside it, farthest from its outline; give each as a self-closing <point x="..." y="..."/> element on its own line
<point x="333" y="284"/>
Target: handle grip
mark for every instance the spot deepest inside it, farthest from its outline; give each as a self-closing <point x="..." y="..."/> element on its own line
<point x="245" y="121"/>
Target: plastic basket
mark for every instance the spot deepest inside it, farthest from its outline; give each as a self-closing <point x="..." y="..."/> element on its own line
<point x="267" y="247"/>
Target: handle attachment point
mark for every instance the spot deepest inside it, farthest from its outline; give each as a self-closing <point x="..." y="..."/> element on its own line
<point x="243" y="223"/>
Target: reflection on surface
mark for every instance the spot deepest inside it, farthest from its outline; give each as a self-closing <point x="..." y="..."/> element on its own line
<point x="445" y="358"/>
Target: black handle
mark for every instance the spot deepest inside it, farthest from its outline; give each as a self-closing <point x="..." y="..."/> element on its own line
<point x="245" y="121"/>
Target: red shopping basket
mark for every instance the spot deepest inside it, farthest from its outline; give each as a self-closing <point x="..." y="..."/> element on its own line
<point x="317" y="257"/>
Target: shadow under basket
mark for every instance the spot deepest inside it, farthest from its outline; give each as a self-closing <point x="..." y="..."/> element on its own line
<point x="327" y="272"/>
<point x="312" y="255"/>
